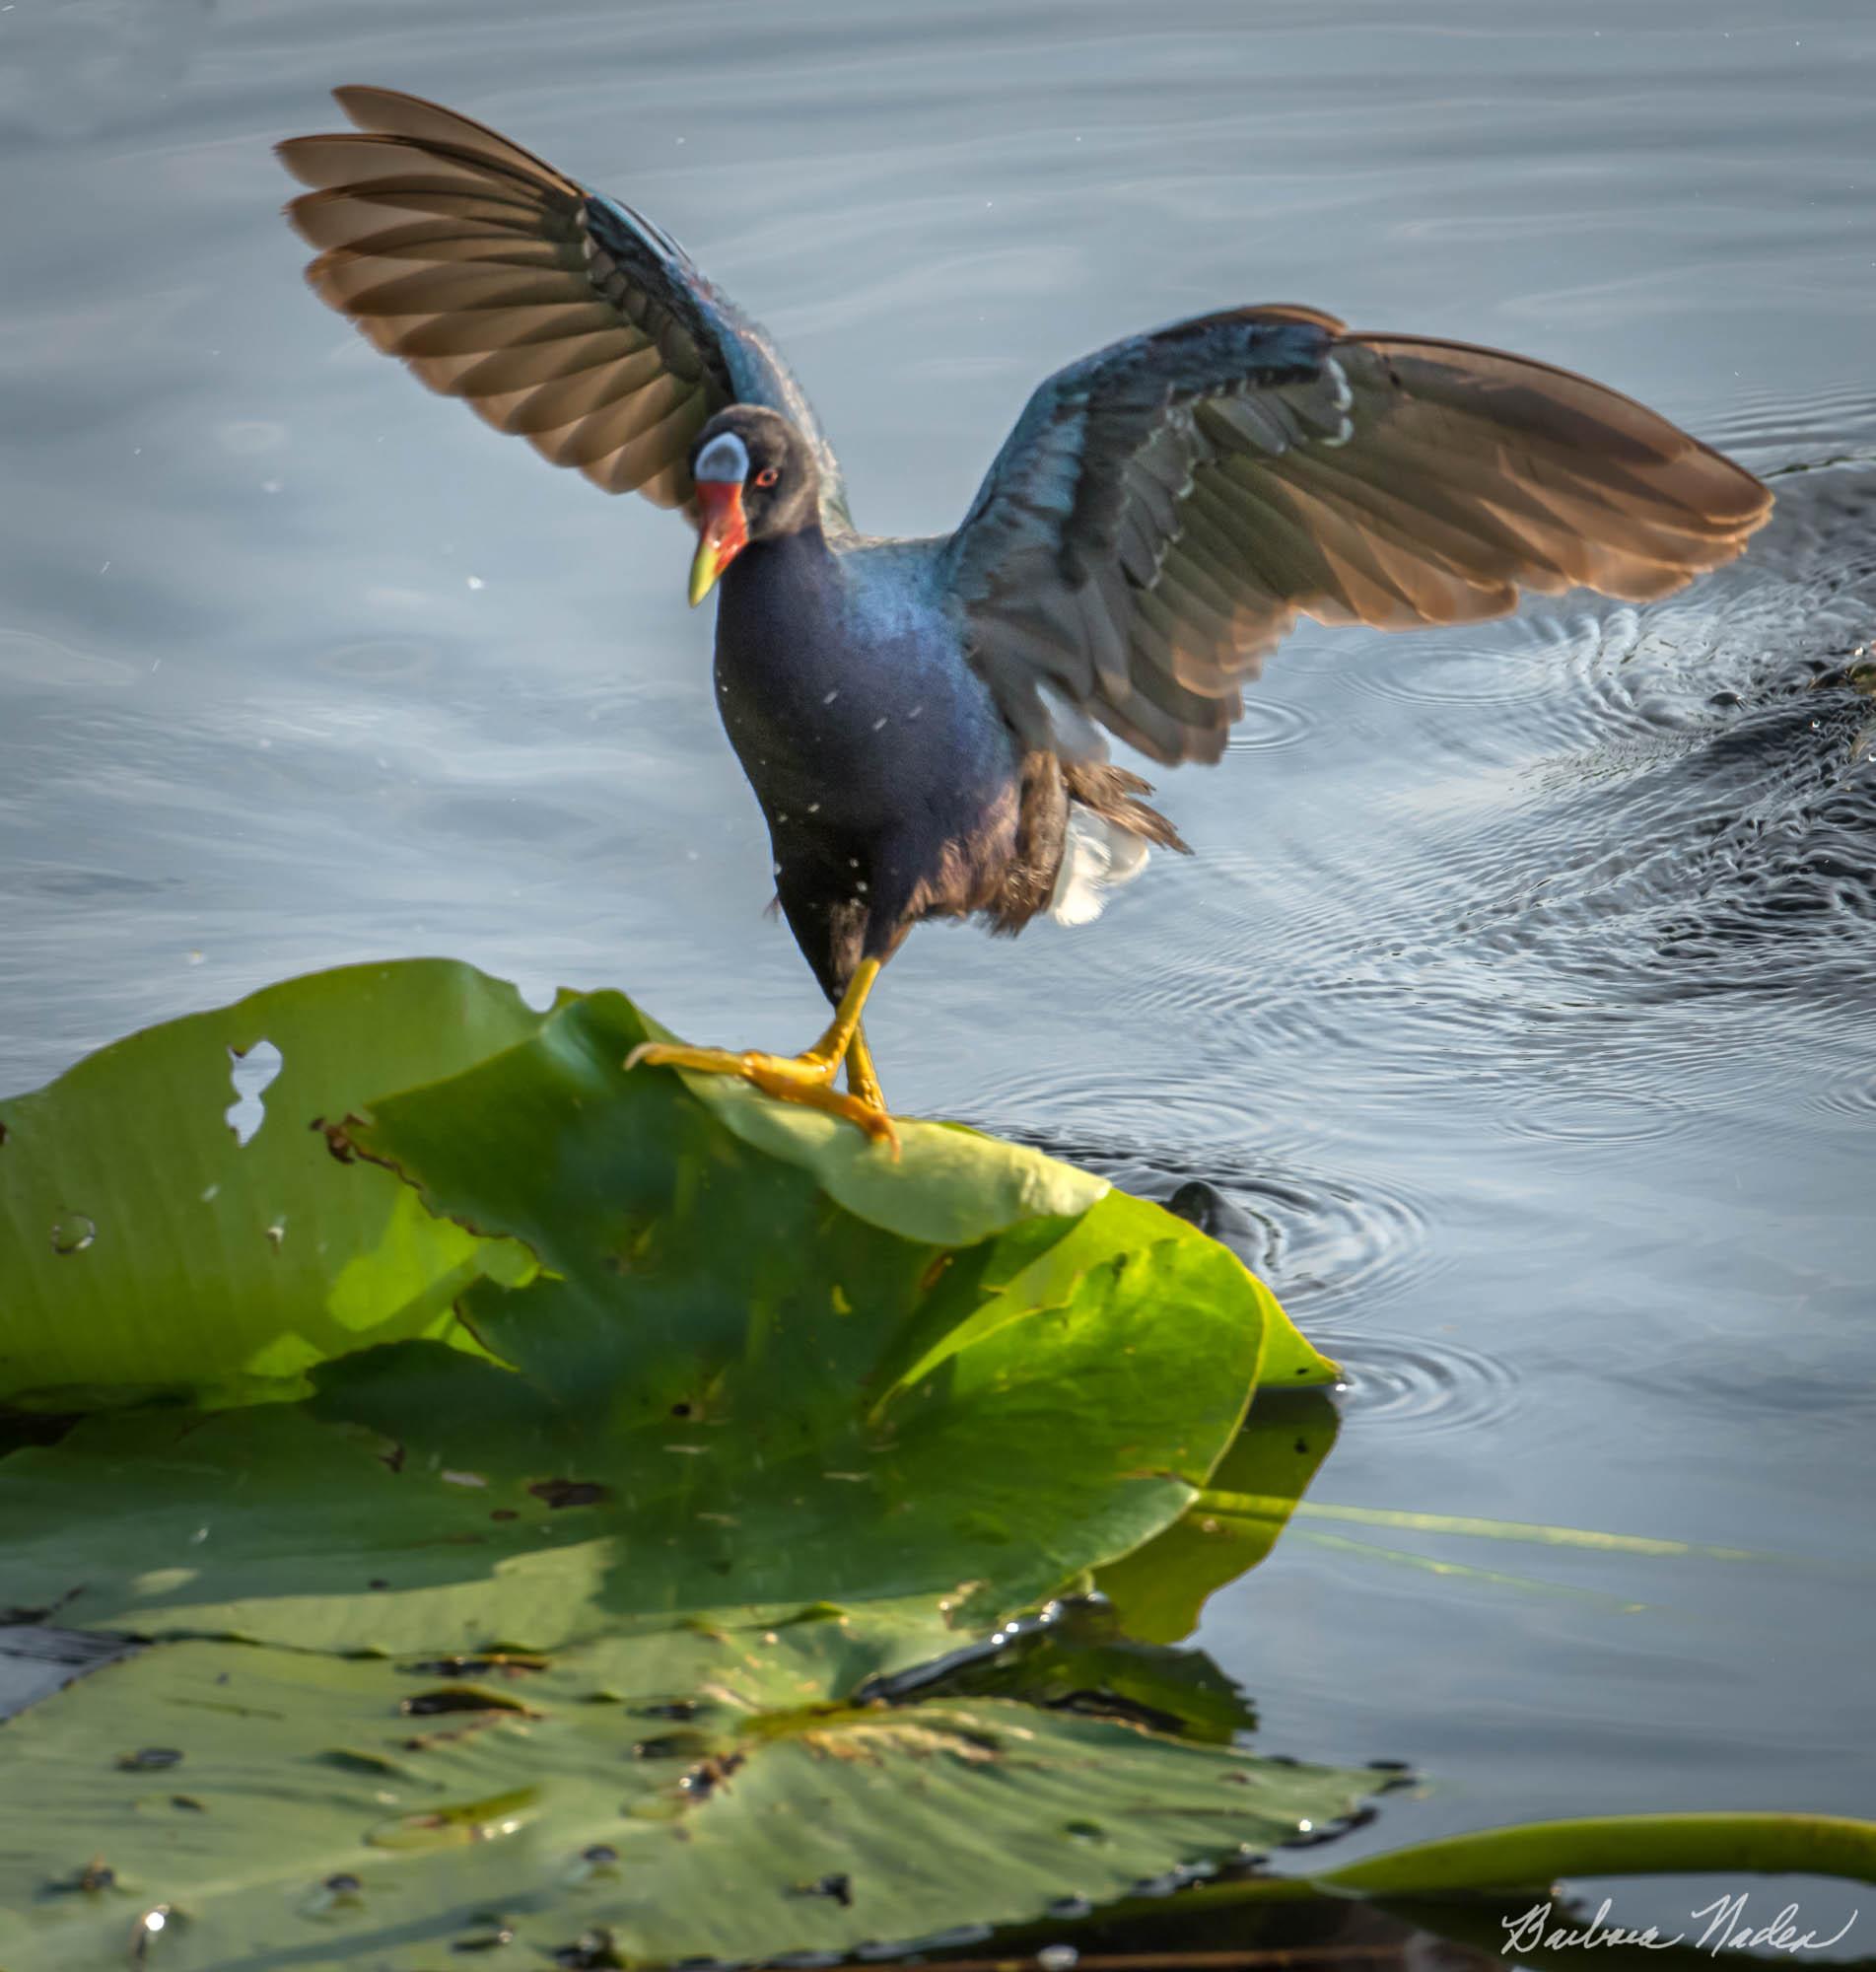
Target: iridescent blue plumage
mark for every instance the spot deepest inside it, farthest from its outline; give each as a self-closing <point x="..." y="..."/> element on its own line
<point x="922" y="721"/>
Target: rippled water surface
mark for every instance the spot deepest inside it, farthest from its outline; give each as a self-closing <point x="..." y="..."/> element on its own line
<point x="1515" y="1014"/>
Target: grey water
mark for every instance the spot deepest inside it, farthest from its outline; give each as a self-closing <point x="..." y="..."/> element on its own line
<point x="1519" y="1004"/>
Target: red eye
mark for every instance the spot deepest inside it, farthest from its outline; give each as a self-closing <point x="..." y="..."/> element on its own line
<point x="767" y="476"/>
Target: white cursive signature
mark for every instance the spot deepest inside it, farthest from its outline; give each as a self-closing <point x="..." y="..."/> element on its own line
<point x="1534" y="1932"/>
<point x="1728" y="1930"/>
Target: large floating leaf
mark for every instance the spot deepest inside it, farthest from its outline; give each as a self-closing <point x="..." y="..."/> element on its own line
<point x="142" y="1246"/>
<point x="274" y="1808"/>
<point x="726" y="1387"/>
<point x="736" y="1417"/>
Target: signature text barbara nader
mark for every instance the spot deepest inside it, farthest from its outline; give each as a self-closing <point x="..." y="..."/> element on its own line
<point x="1728" y="1927"/>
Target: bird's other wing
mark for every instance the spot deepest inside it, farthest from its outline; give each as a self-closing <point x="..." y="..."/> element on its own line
<point x="552" y="312"/>
<point x="1164" y="510"/>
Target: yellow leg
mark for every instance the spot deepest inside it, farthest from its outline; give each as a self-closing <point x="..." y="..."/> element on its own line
<point x="807" y="1078"/>
<point x="863" y="1079"/>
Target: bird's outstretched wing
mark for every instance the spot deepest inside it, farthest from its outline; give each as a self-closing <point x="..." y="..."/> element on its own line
<point x="552" y="312"/>
<point x="1165" y="509"/>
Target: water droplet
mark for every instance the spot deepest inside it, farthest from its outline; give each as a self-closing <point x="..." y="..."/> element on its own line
<point x="151" y="1924"/>
<point x="73" y="1231"/>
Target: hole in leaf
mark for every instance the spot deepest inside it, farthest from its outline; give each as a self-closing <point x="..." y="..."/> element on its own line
<point x="251" y="1070"/>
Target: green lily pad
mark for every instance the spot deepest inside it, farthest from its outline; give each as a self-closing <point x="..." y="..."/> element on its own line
<point x="143" y="1248"/>
<point x="713" y="1387"/>
<point x="329" y="1815"/>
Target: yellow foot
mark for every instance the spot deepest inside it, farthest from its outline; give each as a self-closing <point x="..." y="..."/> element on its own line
<point x="806" y="1079"/>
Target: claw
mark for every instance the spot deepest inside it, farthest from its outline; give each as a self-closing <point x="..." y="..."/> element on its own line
<point x="806" y="1079"/>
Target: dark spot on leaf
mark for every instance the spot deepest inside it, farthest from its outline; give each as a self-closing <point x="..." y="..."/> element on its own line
<point x="511" y="1663"/>
<point x="395" y="1457"/>
<point x="188" y="1803"/>
<point x="344" y="1884"/>
<point x="670" y="1746"/>
<point x="457" y="1698"/>
<point x="707" y="1776"/>
<point x="839" y="1887"/>
<point x="600" y="1854"/>
<point x="96" y="1875"/>
<point x="377" y="1581"/>
<point x="150" y="1756"/>
<point x="677" y="1708"/>
<point x="569" y="1491"/>
<point x="362" y="1760"/>
<point x="1303" y="1446"/>
<point x="680" y="1410"/>
<point x="485" y="1941"/>
<point x="591" y="1951"/>
<point x="505" y="1514"/>
<point x="337" y="1141"/>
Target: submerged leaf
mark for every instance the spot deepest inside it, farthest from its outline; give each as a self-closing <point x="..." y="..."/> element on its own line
<point x="948" y="1804"/>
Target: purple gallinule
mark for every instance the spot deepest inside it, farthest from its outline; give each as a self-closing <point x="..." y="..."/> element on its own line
<point x="920" y="720"/>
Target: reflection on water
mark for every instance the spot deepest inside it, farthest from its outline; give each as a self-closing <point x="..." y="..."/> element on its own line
<point x="1514" y="1016"/>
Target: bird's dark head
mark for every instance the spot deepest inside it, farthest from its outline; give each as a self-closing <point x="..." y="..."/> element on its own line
<point x="756" y="478"/>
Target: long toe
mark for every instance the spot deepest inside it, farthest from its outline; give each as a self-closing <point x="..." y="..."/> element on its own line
<point x="806" y="1079"/>
<point x="771" y="1071"/>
